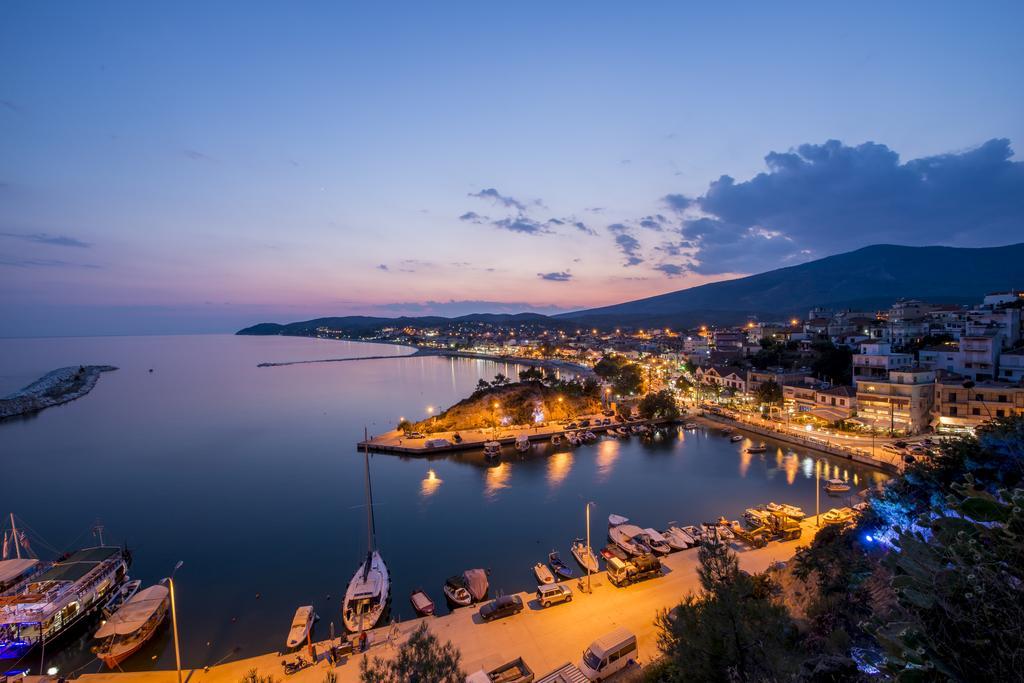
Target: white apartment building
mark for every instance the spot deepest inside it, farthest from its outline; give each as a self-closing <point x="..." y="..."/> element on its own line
<point x="876" y="360"/>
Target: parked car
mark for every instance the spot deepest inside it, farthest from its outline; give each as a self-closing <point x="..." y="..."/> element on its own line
<point x="505" y="606"/>
<point x="414" y="435"/>
<point x="584" y="423"/>
<point x="609" y="654"/>
<point x="553" y="593"/>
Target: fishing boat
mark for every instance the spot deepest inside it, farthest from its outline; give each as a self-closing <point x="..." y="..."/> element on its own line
<point x="457" y="590"/>
<point x="611" y="550"/>
<point x="522" y="443"/>
<point x="584" y="555"/>
<point x="690" y="425"/>
<point x="677" y="538"/>
<point x="556" y="440"/>
<point x="656" y="542"/>
<point x="369" y="591"/>
<point x="492" y="450"/>
<point x="302" y="624"/>
<point x="543" y="574"/>
<point x="476" y="583"/>
<point x="628" y="537"/>
<point x="694" y="532"/>
<point x="131" y="626"/>
<point x="837" y="516"/>
<point x="55" y="603"/>
<point x="736" y="438"/>
<point x="422" y="603"/>
<point x="836" y="486"/>
<point x="589" y="436"/>
<point x="791" y="511"/>
<point x="616" y="520"/>
<point x="760" y="448"/>
<point x="120" y="596"/>
<point x="560" y="568"/>
<point x="573" y="438"/>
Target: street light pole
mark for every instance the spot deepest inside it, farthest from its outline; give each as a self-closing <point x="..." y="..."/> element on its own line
<point x="590" y="553"/>
<point x="174" y="621"/>
<point x="817" y="493"/>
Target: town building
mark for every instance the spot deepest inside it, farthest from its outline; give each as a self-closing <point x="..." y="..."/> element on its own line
<point x="876" y="360"/>
<point x="962" y="405"/>
<point x="899" y="404"/>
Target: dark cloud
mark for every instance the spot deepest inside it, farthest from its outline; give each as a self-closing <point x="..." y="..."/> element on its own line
<point x="618" y="228"/>
<point x="562" y="276"/>
<point x="457" y="308"/>
<point x="630" y="248"/>
<point x="583" y="227"/>
<point x="196" y="155"/>
<point x="493" y="195"/>
<point x="670" y="269"/>
<point x="44" y="238"/>
<point x="473" y="217"/>
<point x="383" y="267"/>
<point x="823" y="199"/>
<point x="521" y="224"/>
<point x="655" y="222"/>
<point x="16" y="262"/>
<point x="677" y="202"/>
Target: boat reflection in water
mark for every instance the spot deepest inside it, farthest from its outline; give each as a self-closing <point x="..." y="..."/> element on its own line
<point x="430" y="484"/>
<point x="496" y="480"/>
<point x="745" y="459"/>
<point x="559" y="466"/>
<point x="607" y="454"/>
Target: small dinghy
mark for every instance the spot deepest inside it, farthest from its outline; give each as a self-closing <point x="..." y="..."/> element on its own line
<point x="302" y="622"/>
<point x="694" y="532"/>
<point x="791" y="511"/>
<point x="584" y="555"/>
<point x="656" y="542"/>
<point x="122" y="595"/>
<point x="616" y="520"/>
<point x="543" y="574"/>
<point x="735" y="438"/>
<point x="422" y="603"/>
<point x="561" y="569"/>
<point x="611" y="550"/>
<point x="690" y="425"/>
<point x="677" y="538"/>
<point x="457" y="591"/>
<point x="556" y="440"/>
<point x="476" y="583"/>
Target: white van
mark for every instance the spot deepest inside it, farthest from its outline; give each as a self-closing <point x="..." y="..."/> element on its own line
<point x="609" y="654"/>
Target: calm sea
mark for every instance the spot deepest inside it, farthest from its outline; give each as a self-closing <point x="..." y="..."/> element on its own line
<point x="251" y="477"/>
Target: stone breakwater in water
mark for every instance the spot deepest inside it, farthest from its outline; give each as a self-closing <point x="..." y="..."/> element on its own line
<point x="52" y="389"/>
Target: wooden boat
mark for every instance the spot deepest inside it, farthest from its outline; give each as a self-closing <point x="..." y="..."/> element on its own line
<point x="543" y="574"/>
<point x="656" y="542"/>
<point x="616" y="520"/>
<point x="457" y="590"/>
<point x="522" y="443"/>
<point x="677" y="538"/>
<point x="760" y="448"/>
<point x="369" y="590"/>
<point x="612" y="550"/>
<point x="735" y="438"/>
<point x="422" y="603"/>
<point x="836" y="486"/>
<point x="302" y="624"/>
<point x="120" y="596"/>
<point x="560" y="568"/>
<point x="584" y="555"/>
<point x="130" y="627"/>
<point x="492" y="450"/>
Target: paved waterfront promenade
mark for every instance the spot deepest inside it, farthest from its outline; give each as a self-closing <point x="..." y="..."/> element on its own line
<point x="545" y="638"/>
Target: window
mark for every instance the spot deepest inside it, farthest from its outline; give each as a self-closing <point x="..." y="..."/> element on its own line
<point x="975" y="411"/>
<point x="1000" y="413"/>
<point x="978" y="397"/>
<point x="952" y="397"/>
<point x="952" y="411"/>
<point x="1002" y="398"/>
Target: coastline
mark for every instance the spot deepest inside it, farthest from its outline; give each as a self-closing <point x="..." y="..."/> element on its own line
<point x="52" y="389"/>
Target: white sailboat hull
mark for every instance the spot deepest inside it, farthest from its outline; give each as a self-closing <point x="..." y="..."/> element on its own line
<point x="367" y="596"/>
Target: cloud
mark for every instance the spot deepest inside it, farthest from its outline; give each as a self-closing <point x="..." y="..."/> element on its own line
<point x="473" y="217"/>
<point x="824" y="199"/>
<point x="455" y="308"/>
<point x="42" y="263"/>
<point x="562" y="276"/>
<point x="670" y="269"/>
<point x="196" y="155"/>
<point x="523" y="224"/>
<point x="493" y="195"/>
<point x="630" y="248"/>
<point x="677" y="202"/>
<point x="44" y="238"/>
<point x="583" y="227"/>
<point x="383" y="266"/>
<point x="655" y="222"/>
<point x="8" y="104"/>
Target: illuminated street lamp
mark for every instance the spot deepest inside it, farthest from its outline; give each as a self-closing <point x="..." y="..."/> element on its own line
<point x="174" y="619"/>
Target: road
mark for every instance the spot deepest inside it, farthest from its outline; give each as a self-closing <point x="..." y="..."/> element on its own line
<point x="545" y="638"/>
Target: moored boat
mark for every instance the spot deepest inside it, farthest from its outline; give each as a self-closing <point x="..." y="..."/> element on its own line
<point x="791" y="511"/>
<point x="735" y="438"/>
<point x="131" y="626"/>
<point x="422" y="603"/>
<point x="120" y="596"/>
<point x="837" y="516"/>
<point x="677" y="538"/>
<point x="522" y="443"/>
<point x="584" y="555"/>
<point x="476" y="583"/>
<point x="656" y="542"/>
<point x="694" y="532"/>
<point x="543" y="574"/>
<point x="629" y="538"/>
<point x="756" y="516"/>
<point x="836" y="486"/>
<point x="690" y="425"/>
<point x="302" y="624"/>
<point x="457" y="591"/>
<point x="612" y="550"/>
<point x="616" y="520"/>
<point x="492" y="450"/>
<point x="561" y="569"/>
<point x="760" y="448"/>
<point x="556" y="440"/>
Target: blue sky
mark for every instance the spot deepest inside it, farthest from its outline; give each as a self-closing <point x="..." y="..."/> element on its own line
<point x="179" y="167"/>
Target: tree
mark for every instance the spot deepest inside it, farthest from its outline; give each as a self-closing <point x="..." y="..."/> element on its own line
<point x="531" y="374"/>
<point x="421" y="659"/>
<point x="683" y="384"/>
<point x="499" y="380"/>
<point x="629" y="381"/>
<point x="733" y="630"/>
<point x="609" y="367"/>
<point x="769" y="392"/>
<point x="404" y="425"/>
<point x="483" y="385"/>
<point x="659" y="406"/>
<point x="833" y="363"/>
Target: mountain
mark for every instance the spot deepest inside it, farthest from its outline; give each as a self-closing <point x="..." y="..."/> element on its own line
<point x="868" y="278"/>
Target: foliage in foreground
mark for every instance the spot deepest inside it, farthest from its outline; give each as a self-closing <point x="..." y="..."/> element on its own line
<point x="421" y="659"/>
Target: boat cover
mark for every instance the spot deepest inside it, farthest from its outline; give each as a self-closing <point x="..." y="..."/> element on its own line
<point x="134" y="613"/>
<point x="476" y="580"/>
<point x="12" y="569"/>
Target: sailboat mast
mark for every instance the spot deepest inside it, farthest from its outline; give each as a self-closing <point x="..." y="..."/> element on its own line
<point x="17" y="541"/>
<point x="371" y="531"/>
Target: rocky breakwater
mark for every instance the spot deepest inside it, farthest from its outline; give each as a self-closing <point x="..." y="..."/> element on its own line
<point x="52" y="389"/>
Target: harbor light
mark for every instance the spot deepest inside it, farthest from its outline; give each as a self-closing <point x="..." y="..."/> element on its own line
<point x="430" y="410"/>
<point x="52" y="671"/>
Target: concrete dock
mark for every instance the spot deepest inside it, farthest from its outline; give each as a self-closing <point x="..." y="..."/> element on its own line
<point x="544" y="638"/>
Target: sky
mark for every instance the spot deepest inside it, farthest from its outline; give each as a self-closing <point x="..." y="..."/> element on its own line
<point x="197" y="167"/>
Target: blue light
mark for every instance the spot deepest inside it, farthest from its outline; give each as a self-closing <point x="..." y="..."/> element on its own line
<point x="868" y="538"/>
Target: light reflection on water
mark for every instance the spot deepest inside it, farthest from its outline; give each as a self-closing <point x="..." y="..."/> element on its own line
<point x="430" y="483"/>
<point x="607" y="454"/>
<point x="496" y="480"/>
<point x="559" y="465"/>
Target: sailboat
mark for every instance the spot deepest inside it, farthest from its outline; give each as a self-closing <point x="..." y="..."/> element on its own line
<point x="368" y="592"/>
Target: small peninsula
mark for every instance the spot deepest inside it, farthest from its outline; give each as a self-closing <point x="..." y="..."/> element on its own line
<point x="52" y="389"/>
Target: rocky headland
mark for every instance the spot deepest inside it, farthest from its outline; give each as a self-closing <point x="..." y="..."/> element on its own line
<point x="52" y="389"/>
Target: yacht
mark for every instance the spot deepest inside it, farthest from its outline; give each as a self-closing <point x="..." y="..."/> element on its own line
<point x="59" y="600"/>
<point x="131" y="626"/>
<point x="369" y="591"/>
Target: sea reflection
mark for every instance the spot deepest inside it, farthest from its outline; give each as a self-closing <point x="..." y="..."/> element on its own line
<point x="745" y="459"/>
<point x="791" y="463"/>
<point x="559" y="465"/>
<point x="807" y="467"/>
<point x="430" y="484"/>
<point x="607" y="454"/>
<point x="497" y="479"/>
